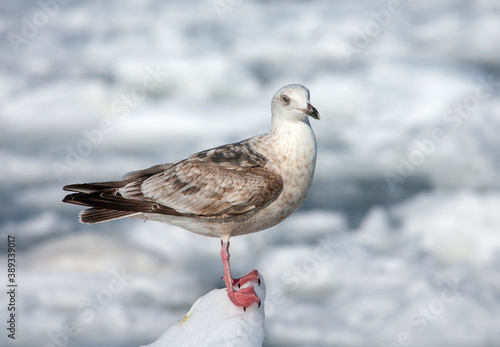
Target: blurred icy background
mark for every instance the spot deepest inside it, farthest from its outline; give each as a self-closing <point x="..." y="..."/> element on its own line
<point x="398" y="243"/>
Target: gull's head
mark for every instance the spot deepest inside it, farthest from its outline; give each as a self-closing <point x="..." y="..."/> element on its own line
<point x="292" y="103"/>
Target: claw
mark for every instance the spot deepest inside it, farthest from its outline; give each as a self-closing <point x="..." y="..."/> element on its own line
<point x="252" y="276"/>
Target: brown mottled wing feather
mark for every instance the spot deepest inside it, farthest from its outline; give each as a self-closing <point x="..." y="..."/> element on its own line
<point x="224" y="181"/>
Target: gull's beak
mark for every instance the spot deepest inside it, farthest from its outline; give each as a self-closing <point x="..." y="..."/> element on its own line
<point x="311" y="111"/>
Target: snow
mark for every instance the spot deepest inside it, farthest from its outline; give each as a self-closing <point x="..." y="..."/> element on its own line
<point x="215" y="321"/>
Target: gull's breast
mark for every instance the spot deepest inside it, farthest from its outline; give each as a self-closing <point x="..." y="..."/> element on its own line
<point x="292" y="154"/>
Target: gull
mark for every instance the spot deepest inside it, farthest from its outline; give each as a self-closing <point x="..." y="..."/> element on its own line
<point x="226" y="191"/>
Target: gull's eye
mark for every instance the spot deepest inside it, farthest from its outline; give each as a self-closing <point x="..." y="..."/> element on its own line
<point x="285" y="99"/>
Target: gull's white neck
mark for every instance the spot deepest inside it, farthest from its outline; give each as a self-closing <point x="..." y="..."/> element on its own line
<point x="294" y="136"/>
<point x="291" y="149"/>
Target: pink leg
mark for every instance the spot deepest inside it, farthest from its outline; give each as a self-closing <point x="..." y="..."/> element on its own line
<point x="241" y="297"/>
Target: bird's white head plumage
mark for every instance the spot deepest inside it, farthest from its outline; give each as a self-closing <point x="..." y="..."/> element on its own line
<point x="291" y="103"/>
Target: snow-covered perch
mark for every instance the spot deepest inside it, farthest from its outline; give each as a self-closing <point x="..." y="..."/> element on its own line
<point x="214" y="320"/>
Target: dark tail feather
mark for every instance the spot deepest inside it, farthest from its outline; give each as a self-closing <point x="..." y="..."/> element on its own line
<point x="108" y="204"/>
<point x="98" y="215"/>
<point x="106" y="201"/>
<point x="100" y="193"/>
<point x="93" y="187"/>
